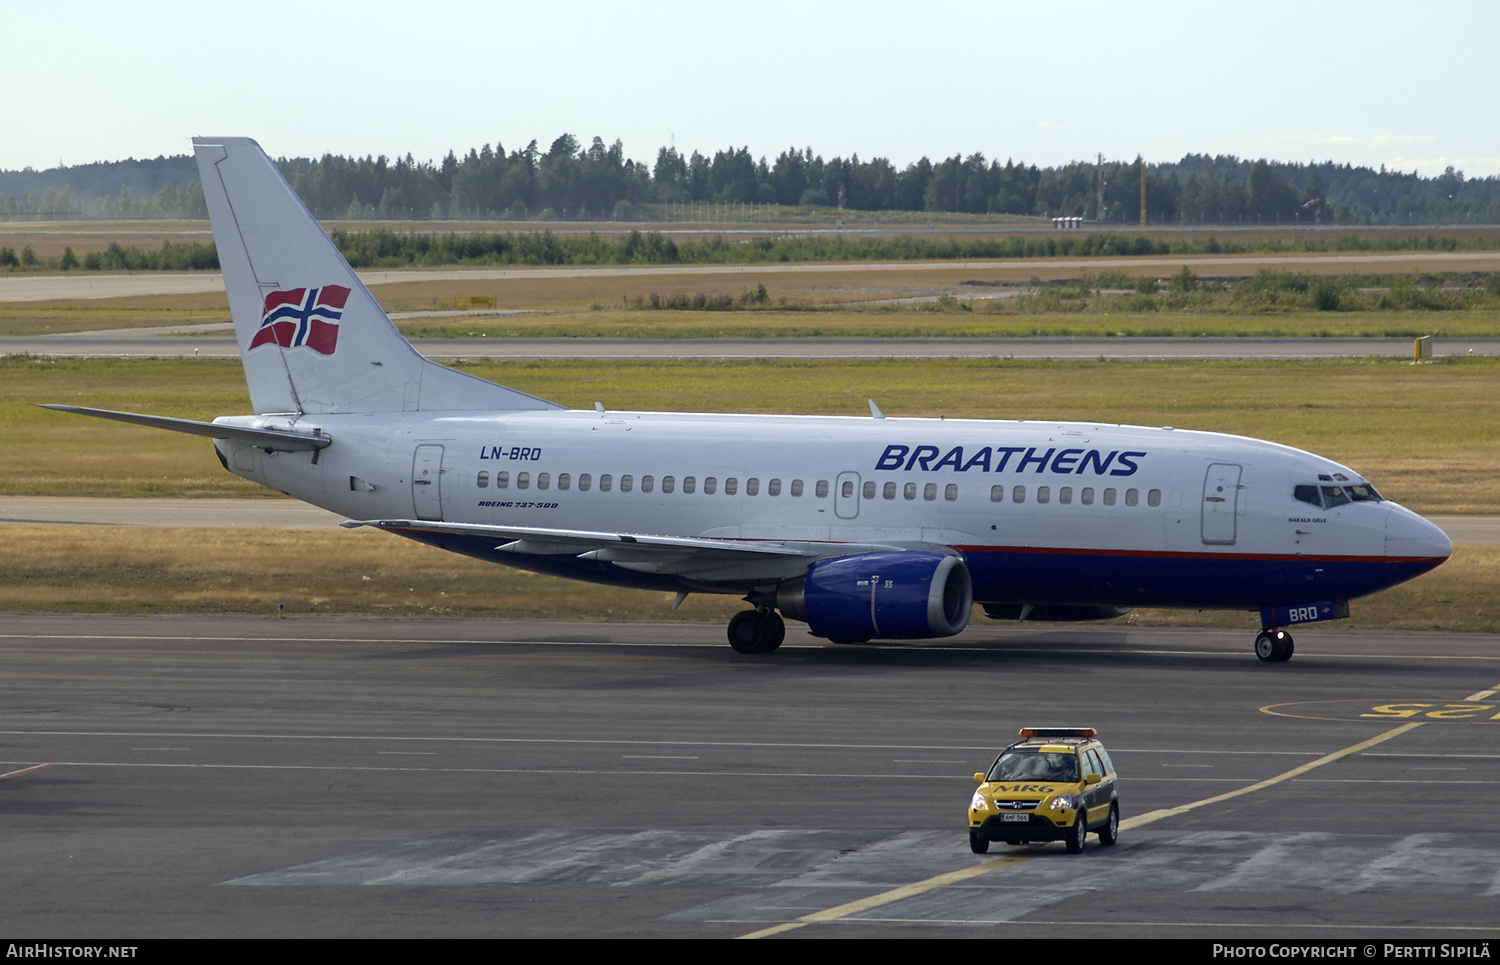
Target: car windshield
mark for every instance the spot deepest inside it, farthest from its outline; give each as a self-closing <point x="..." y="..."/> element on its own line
<point x="1024" y="765"/>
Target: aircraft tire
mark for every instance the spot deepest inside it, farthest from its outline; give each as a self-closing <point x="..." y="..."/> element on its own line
<point x="756" y="631"/>
<point x="1273" y="646"/>
<point x="775" y="630"/>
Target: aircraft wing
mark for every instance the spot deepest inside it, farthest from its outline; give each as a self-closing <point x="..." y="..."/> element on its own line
<point x="279" y="439"/>
<point x="694" y="557"/>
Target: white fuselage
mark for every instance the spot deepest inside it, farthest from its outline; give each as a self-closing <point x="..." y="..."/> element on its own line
<point x="1043" y="512"/>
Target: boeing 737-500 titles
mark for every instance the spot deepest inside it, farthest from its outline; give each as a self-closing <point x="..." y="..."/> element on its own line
<point x="863" y="528"/>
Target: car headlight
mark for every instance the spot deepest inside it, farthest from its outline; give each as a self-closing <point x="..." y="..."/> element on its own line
<point x="1061" y="802"/>
<point x="978" y="803"/>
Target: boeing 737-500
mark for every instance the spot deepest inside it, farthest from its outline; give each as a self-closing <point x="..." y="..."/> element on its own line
<point x="863" y="528"/>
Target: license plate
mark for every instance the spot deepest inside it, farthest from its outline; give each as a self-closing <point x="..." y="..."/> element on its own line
<point x="1015" y="818"/>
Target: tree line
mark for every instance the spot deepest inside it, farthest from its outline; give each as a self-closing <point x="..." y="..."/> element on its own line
<point x="571" y="181"/>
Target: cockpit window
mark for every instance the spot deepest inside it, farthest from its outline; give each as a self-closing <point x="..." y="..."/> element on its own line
<point x="1334" y="496"/>
<point x="1308" y="494"/>
<point x="1363" y="493"/>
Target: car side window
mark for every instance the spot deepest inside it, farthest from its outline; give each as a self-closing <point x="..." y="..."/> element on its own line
<point x="1109" y="766"/>
<point x="1092" y="764"/>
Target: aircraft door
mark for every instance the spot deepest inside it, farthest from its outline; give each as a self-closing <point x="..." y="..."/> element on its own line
<point x="1221" y="503"/>
<point x="846" y="495"/>
<point x="427" y="482"/>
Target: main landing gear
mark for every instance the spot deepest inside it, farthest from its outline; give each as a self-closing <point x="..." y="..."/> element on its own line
<point x="1273" y="646"/>
<point x="756" y="631"/>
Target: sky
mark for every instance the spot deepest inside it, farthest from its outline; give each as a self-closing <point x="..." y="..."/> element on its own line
<point x="1405" y="85"/>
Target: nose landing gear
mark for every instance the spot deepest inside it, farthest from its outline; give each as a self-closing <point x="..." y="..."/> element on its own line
<point x="1273" y="646"/>
<point x="756" y="631"/>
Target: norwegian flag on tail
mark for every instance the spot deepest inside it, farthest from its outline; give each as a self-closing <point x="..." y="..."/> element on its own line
<point x="303" y="316"/>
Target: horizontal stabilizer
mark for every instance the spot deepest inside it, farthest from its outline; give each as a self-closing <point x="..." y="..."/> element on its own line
<point x="261" y="438"/>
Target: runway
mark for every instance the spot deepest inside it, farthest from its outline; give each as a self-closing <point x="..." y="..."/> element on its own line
<point x="132" y="344"/>
<point x="176" y="513"/>
<point x="84" y="286"/>
<point x="226" y="777"/>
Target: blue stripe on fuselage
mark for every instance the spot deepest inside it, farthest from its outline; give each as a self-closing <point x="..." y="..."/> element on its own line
<point x="1050" y="575"/>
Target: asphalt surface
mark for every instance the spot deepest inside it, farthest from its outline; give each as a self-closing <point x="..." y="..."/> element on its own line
<point x="145" y="343"/>
<point x="89" y="285"/>
<point x="217" y="776"/>
<point x="175" y="513"/>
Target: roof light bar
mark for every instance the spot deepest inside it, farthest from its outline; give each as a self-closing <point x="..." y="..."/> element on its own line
<point x="1047" y="733"/>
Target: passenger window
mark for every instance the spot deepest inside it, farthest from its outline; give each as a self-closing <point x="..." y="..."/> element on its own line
<point x="950" y="492"/>
<point x="909" y="491"/>
<point x="869" y="488"/>
<point x="648" y="483"/>
<point x="1109" y="497"/>
<point x="1132" y="496"/>
<point x="584" y="481"/>
<point x="1018" y="495"/>
<point x="484" y="480"/>
<point x="502" y="480"/>
<point x="1153" y="498"/>
<point x="543" y="480"/>
<point x="773" y="487"/>
<point x="848" y="489"/>
<point x="1043" y="494"/>
<point x="929" y="492"/>
<point x="822" y="489"/>
<point x="604" y="483"/>
<point x="1087" y="496"/>
<point x="689" y="484"/>
<point x="752" y="486"/>
<point x="997" y="494"/>
<point x="564" y="480"/>
<point x="731" y="486"/>
<point x="668" y="484"/>
<point x="796" y="487"/>
<point x="627" y="483"/>
<point x="1065" y="495"/>
<point x="890" y="491"/>
<point x="710" y="486"/>
<point x="523" y="480"/>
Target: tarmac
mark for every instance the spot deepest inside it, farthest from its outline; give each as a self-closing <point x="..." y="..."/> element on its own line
<point x="214" y="776"/>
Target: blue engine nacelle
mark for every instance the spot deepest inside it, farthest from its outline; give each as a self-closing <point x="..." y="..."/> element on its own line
<point x="889" y="595"/>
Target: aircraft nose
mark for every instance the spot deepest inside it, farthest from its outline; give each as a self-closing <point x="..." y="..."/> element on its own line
<point x="1407" y="534"/>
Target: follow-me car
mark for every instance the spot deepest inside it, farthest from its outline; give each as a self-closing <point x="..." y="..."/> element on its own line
<point x="863" y="528"/>
<point x="1054" y="784"/>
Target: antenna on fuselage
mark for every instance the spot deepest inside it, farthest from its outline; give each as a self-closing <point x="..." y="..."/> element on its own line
<point x="599" y="407"/>
<point x="875" y="410"/>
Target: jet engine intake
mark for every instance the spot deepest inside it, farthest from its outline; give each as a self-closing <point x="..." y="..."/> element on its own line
<point x="903" y="596"/>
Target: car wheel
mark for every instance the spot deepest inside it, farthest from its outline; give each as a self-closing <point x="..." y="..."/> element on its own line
<point x="1080" y="833"/>
<point x="978" y="843"/>
<point x="1110" y="833"/>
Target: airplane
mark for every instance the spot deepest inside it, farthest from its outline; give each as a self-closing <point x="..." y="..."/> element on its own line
<point x="862" y="528"/>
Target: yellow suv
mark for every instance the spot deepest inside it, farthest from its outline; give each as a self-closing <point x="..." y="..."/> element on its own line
<point x="1054" y="784"/>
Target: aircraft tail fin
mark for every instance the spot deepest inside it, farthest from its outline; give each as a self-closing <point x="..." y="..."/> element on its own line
<point x="312" y="337"/>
